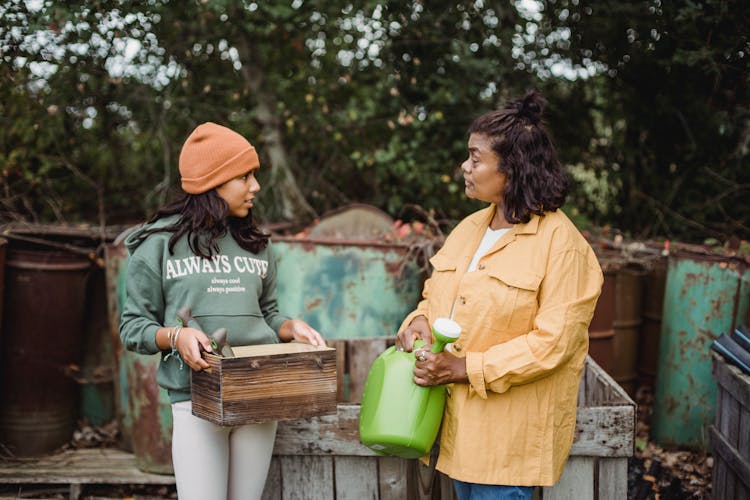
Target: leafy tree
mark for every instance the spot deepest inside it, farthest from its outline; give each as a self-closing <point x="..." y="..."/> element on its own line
<point x="369" y="102"/>
<point x="670" y="109"/>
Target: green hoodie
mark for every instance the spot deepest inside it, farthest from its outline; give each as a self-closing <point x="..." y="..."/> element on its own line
<point x="236" y="290"/>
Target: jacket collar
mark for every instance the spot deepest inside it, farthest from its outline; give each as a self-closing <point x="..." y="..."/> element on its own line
<point x="482" y="222"/>
<point x="486" y="215"/>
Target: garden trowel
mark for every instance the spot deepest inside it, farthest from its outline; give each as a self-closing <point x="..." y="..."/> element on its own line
<point x="218" y="338"/>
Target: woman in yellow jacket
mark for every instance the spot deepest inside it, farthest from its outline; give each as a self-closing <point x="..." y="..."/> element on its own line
<point x="522" y="282"/>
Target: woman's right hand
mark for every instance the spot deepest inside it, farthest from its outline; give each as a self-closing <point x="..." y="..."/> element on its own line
<point x="188" y="346"/>
<point x="419" y="328"/>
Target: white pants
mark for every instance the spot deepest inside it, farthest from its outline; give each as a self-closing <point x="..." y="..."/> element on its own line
<point x="215" y="462"/>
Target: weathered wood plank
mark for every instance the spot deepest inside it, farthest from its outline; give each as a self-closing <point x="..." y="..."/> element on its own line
<point x="743" y="443"/>
<point x="356" y="478"/>
<point x="306" y="477"/>
<point x="582" y="390"/>
<point x="732" y="379"/>
<point x="392" y="480"/>
<point x="576" y="482"/>
<point x="362" y="353"/>
<point x="341" y="387"/>
<point x="738" y="466"/>
<point x="422" y="480"/>
<point x="272" y="489"/>
<point x="613" y="478"/>
<point x="603" y="389"/>
<point x="84" y="466"/>
<point x="327" y="435"/>
<point x="732" y="433"/>
<point x="605" y="431"/>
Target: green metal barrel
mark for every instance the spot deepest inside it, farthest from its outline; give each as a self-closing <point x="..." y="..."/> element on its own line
<point x="347" y="289"/>
<point x="705" y="296"/>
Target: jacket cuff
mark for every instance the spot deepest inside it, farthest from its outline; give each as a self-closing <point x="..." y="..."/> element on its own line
<point x="276" y="323"/>
<point x="410" y="318"/>
<point x="150" y="340"/>
<point x="475" y="372"/>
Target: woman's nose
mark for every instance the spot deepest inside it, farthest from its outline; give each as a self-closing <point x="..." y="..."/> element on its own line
<point x="254" y="186"/>
<point x="466" y="166"/>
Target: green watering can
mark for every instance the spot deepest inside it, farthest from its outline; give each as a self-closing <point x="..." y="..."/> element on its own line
<point x="398" y="417"/>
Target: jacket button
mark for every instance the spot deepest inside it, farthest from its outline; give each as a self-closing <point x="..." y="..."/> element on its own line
<point x="481" y="267"/>
<point x="457" y="347"/>
<point x="462" y="299"/>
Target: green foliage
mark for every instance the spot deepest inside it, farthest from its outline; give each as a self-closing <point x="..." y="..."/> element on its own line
<point x="371" y="102"/>
<point x="669" y="114"/>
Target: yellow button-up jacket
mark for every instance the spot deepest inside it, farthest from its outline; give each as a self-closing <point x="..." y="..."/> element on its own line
<point x="524" y="313"/>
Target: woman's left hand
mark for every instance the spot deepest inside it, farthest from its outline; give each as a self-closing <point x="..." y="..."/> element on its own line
<point x="296" y="329"/>
<point x="438" y="368"/>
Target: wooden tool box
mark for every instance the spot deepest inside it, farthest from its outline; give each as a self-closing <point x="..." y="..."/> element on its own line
<point x="266" y="382"/>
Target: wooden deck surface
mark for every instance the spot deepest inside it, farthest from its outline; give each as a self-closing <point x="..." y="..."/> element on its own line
<point x="73" y="470"/>
<point x="83" y="466"/>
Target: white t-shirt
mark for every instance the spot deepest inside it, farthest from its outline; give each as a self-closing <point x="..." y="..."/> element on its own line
<point x="488" y="241"/>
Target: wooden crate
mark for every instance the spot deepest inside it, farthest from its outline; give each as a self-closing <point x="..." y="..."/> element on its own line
<point x="322" y="457"/>
<point x="266" y="382"/>
<point x="730" y="434"/>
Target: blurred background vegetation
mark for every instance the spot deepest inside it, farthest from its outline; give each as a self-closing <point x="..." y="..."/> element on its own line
<point x="370" y="101"/>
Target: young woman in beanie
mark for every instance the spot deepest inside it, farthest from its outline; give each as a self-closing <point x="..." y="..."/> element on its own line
<point x="205" y="251"/>
<point x="522" y="282"/>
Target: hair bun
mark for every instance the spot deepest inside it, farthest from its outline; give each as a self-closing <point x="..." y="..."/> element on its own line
<point x="531" y="106"/>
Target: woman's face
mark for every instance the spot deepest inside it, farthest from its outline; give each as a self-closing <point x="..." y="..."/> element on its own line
<point x="239" y="193"/>
<point x="482" y="179"/>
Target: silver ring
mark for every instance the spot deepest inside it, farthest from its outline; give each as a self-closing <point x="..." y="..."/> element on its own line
<point x="421" y="356"/>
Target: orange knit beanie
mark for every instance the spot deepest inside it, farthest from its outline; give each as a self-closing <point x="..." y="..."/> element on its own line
<point x="213" y="155"/>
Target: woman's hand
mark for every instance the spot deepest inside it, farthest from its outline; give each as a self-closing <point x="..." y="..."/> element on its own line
<point x="188" y="342"/>
<point x="438" y="368"/>
<point x="296" y="329"/>
<point x="419" y="328"/>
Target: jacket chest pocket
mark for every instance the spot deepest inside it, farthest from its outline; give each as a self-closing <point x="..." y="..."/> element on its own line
<point x="443" y="279"/>
<point x="516" y="295"/>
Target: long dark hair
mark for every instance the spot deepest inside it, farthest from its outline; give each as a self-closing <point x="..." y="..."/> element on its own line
<point x="536" y="182"/>
<point x="204" y="219"/>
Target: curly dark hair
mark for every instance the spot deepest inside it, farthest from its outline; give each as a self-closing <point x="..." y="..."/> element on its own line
<point x="536" y="182"/>
<point x="204" y="218"/>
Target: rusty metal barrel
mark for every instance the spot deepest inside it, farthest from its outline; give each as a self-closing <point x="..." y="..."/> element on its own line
<point x="704" y="298"/>
<point x="601" y="329"/>
<point x="45" y="297"/>
<point x="653" y="303"/>
<point x="627" y="324"/>
<point x="144" y="414"/>
<point x="614" y="331"/>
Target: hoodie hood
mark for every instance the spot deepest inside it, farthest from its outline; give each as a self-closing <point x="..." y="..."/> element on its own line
<point x="132" y="235"/>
